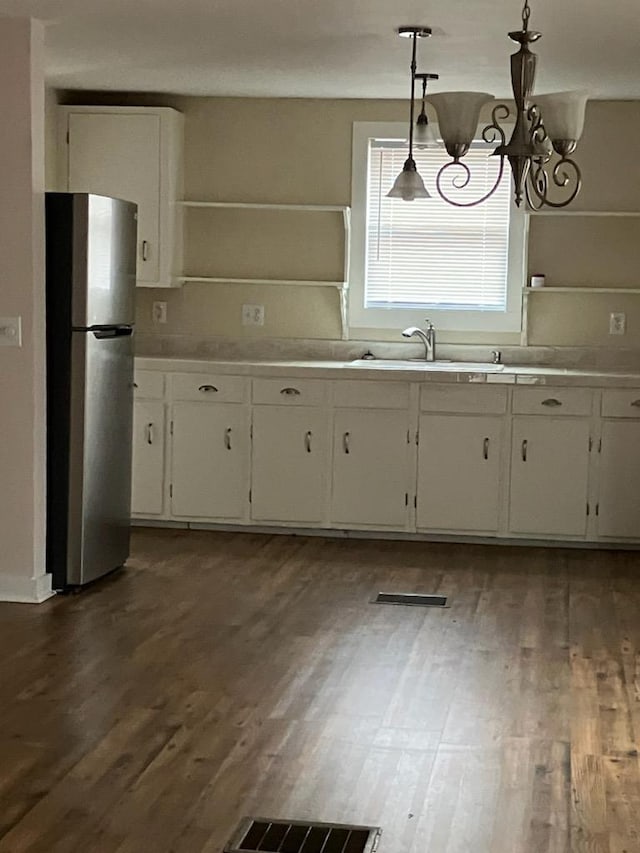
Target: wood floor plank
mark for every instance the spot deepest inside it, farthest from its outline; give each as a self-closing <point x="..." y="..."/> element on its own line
<point x="223" y="675"/>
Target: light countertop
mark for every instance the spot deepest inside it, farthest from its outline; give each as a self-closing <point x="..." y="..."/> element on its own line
<point x="408" y="372"/>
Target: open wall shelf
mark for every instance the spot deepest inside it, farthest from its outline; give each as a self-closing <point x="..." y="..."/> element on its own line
<point x="342" y="286"/>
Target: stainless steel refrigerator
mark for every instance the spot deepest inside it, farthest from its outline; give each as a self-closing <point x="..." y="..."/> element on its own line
<point x="90" y="280"/>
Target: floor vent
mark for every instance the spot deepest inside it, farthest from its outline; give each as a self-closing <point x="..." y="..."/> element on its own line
<point x="411" y="599"/>
<point x="294" y="836"/>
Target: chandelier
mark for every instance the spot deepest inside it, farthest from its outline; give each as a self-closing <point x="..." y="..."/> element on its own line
<point x="546" y="131"/>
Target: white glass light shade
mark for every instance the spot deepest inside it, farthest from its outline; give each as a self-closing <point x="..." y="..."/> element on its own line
<point x="458" y="114"/>
<point x="408" y="186"/>
<point x="423" y="133"/>
<point x="562" y="114"/>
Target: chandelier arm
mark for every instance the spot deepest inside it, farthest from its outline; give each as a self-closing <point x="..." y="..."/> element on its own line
<point x="534" y="192"/>
<point x="561" y="179"/>
<point x="493" y="131"/>
<point x="465" y="182"/>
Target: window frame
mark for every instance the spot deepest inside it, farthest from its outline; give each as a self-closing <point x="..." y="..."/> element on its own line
<point x="448" y="320"/>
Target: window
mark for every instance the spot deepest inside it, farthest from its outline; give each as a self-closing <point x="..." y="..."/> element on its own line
<point x="461" y="267"/>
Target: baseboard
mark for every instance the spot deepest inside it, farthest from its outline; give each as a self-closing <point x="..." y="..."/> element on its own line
<point x="24" y="590"/>
<point x="398" y="535"/>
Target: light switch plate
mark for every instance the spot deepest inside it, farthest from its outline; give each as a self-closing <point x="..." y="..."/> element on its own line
<point x="10" y="331"/>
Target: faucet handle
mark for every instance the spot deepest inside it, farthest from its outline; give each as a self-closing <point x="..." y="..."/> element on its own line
<point x="429" y="324"/>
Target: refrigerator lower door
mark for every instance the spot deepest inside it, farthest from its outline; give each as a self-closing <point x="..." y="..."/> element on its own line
<point x="100" y="432"/>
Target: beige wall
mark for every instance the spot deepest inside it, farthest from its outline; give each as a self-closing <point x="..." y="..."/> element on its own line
<point x="299" y="151"/>
<point x="22" y="369"/>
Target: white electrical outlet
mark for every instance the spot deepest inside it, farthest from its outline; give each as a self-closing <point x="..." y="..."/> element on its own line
<point x="617" y="324"/>
<point x="253" y="315"/>
<point x="159" y="312"/>
<point x="10" y="331"/>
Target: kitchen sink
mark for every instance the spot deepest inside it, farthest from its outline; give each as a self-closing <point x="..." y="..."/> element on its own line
<point x="420" y="364"/>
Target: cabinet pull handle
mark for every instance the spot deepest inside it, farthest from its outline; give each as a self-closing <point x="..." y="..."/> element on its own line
<point x="145" y="250"/>
<point x="552" y="402"/>
<point x="290" y="392"/>
<point x="227" y="438"/>
<point x="345" y="442"/>
<point x="135" y="385"/>
<point x="485" y="448"/>
<point x="307" y="441"/>
<point x="207" y="389"/>
<point x="149" y="433"/>
<point x="525" y="445"/>
<point x="635" y="403"/>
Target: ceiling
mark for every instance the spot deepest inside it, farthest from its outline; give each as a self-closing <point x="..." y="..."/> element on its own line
<point x="329" y="48"/>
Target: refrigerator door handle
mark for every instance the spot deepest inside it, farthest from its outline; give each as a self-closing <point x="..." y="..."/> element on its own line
<point x="101" y="332"/>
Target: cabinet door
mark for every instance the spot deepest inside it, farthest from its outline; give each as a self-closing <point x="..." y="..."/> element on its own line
<point x="549" y="476"/>
<point x="209" y="463"/>
<point x="459" y="472"/>
<point x="119" y="155"/>
<point x="370" y="473"/>
<point x="289" y="465"/>
<point x="619" y="490"/>
<point x="147" y="482"/>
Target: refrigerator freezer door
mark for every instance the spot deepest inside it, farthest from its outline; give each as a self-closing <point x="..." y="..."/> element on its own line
<point x="104" y="264"/>
<point x="100" y="454"/>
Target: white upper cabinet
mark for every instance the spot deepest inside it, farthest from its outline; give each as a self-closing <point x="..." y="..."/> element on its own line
<point x="134" y="153"/>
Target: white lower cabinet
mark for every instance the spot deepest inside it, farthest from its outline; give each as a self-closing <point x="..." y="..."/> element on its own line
<point x="370" y="468"/>
<point x="290" y="459"/>
<point x="147" y="476"/>
<point x="619" y="488"/>
<point x="549" y="476"/>
<point x="210" y="460"/>
<point x="459" y="463"/>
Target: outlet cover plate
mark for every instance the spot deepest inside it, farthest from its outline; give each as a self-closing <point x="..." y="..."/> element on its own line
<point x="11" y="331"/>
<point x="253" y="315"/>
<point x="617" y="323"/>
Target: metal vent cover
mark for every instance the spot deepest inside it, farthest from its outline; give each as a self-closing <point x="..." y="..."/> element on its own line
<point x="411" y="599"/>
<point x="296" y="836"/>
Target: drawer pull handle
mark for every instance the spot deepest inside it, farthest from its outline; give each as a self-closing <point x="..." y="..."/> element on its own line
<point x="145" y="250"/>
<point x="149" y="433"/>
<point x="290" y="392"/>
<point x="207" y="389"/>
<point x="635" y="403"/>
<point x="227" y="438"/>
<point x="485" y="449"/>
<point x="345" y="442"/>
<point x="135" y="385"/>
<point x="552" y="402"/>
<point x="307" y="441"/>
<point x="525" y="445"/>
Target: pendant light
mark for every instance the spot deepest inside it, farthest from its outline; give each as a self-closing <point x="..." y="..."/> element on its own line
<point x="424" y="134"/>
<point x="409" y="185"/>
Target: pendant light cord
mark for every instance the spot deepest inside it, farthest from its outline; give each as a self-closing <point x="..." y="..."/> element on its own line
<point x="526" y="14"/>
<point x="413" y="84"/>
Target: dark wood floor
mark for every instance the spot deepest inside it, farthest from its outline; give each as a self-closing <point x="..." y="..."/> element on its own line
<point x="224" y="675"/>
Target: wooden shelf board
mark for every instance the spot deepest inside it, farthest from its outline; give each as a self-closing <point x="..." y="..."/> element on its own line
<point x="581" y="290"/>
<point x="602" y="213"/>
<point x="278" y="281"/>
<point x="313" y="208"/>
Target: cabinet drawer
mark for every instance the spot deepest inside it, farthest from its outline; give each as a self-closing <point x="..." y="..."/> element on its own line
<point x="206" y="386"/>
<point x="463" y="398"/>
<point x="621" y="404"/>
<point x="148" y="385"/>
<point x="292" y="392"/>
<point x="556" y="401"/>
<point x="370" y="395"/>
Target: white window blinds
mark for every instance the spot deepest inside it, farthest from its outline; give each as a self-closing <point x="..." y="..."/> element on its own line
<point x="428" y="253"/>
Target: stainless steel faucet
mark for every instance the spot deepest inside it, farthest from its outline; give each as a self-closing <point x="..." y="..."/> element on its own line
<point x="427" y="337"/>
